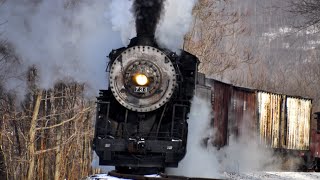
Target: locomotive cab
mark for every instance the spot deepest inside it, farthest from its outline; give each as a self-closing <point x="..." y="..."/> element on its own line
<point x="142" y="118"/>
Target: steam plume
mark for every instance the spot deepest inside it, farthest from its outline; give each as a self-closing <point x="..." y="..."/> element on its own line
<point x="174" y="23"/>
<point x="147" y="14"/>
<point x="66" y="39"/>
<point x="167" y="20"/>
<point x="70" y="39"/>
<point x="199" y="161"/>
<point x="243" y="154"/>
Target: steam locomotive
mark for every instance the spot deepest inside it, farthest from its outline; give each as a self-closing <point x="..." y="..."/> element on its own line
<point x="141" y="119"/>
<point x="141" y="122"/>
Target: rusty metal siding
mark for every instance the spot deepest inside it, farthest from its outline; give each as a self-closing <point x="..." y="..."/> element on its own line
<point x="201" y="79"/>
<point x="269" y="110"/>
<point x="283" y="124"/>
<point x="280" y="121"/>
<point x="242" y="116"/>
<point x="298" y="123"/>
<point x="221" y="94"/>
<point x="203" y="92"/>
<point x="315" y="136"/>
<point x="315" y="143"/>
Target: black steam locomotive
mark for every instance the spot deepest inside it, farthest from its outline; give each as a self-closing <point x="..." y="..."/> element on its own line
<point x="141" y="118"/>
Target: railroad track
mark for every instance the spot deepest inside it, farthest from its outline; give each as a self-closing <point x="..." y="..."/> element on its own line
<point x="162" y="177"/>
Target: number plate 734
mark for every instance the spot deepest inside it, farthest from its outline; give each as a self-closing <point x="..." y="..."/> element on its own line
<point x="140" y="89"/>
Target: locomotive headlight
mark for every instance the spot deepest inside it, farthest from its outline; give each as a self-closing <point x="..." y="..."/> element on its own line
<point x="141" y="79"/>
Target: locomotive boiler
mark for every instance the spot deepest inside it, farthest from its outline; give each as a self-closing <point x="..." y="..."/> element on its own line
<point x="141" y="118"/>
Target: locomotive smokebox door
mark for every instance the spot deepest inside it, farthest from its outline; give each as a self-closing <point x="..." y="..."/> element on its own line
<point x="147" y="75"/>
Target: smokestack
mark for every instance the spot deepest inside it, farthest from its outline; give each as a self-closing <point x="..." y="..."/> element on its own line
<point x="147" y="14"/>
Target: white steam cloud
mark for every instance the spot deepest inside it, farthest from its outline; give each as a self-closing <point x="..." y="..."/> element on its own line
<point x="95" y="164"/>
<point x="69" y="40"/>
<point x="199" y="160"/>
<point x="122" y="19"/>
<point x="242" y="154"/>
<point x="65" y="39"/>
<point x="174" y="23"/>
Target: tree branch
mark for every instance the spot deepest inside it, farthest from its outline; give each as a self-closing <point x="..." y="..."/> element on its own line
<point x="76" y="117"/>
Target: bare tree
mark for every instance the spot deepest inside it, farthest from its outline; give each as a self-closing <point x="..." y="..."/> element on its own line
<point x="49" y="137"/>
<point x="32" y="135"/>
<point x="214" y="37"/>
<point x="306" y="10"/>
<point x="259" y="52"/>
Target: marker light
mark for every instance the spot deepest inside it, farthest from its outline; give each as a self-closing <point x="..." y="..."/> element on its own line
<point x="141" y="79"/>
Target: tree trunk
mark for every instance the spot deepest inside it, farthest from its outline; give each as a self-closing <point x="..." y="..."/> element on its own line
<point x="58" y="156"/>
<point x="32" y="134"/>
<point x="58" y="166"/>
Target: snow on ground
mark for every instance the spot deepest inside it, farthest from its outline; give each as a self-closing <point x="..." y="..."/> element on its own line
<point x="102" y="177"/>
<point x="241" y="176"/>
<point x="273" y="176"/>
<point x="106" y="177"/>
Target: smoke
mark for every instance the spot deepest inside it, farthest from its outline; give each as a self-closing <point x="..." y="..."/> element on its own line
<point x="66" y="40"/>
<point x="168" y="20"/>
<point x="242" y="154"/>
<point x="147" y="14"/>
